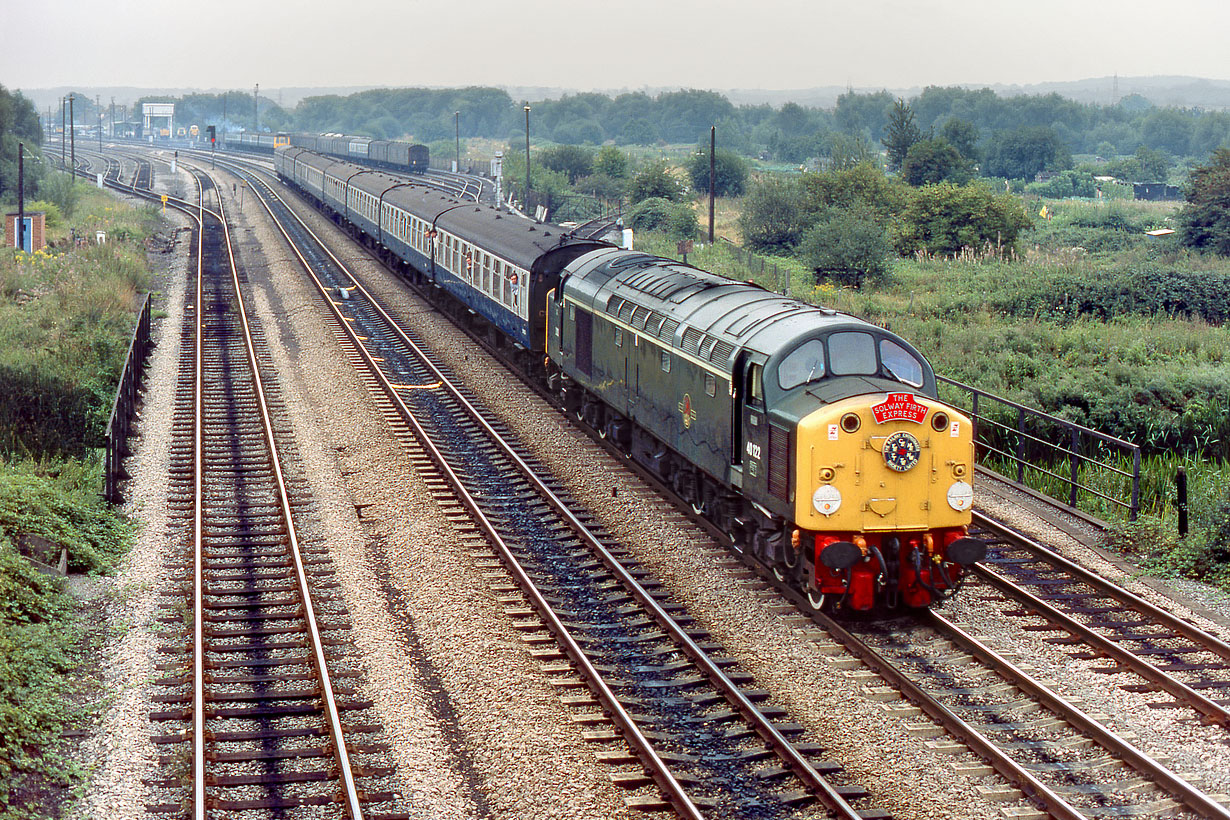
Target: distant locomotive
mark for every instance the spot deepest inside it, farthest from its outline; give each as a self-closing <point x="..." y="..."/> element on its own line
<point x="255" y="141"/>
<point x="813" y="439"/>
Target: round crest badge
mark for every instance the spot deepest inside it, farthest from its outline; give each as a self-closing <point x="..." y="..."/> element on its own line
<point x="901" y="451"/>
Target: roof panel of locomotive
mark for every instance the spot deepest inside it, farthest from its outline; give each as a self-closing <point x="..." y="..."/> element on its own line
<point x="742" y="315"/>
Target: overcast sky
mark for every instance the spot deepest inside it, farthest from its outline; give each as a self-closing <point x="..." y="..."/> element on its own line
<point x="773" y="44"/>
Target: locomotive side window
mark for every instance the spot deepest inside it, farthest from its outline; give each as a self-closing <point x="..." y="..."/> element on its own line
<point x="852" y="353"/>
<point x="666" y="362"/>
<point x="710" y="384"/>
<point x="804" y="364"/>
<point x="755" y="385"/>
<point x="900" y="364"/>
<point x="619" y="337"/>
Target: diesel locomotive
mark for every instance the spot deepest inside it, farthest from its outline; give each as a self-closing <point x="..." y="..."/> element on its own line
<point x="814" y="440"/>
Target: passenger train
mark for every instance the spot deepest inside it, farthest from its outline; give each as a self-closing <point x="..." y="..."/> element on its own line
<point x="813" y="439"/>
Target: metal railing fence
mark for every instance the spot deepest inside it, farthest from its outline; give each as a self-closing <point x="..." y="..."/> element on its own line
<point x="119" y="427"/>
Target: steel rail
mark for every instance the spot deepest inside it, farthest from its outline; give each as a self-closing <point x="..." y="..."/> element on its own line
<point x="785" y="750"/>
<point x="1211" y="710"/>
<point x="979" y="744"/>
<point x="657" y="767"/>
<point x="1193" y="798"/>
<point x="350" y="790"/>
<point x="1168" y="619"/>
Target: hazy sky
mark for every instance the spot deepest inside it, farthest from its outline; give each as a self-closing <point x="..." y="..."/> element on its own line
<point x="776" y="44"/>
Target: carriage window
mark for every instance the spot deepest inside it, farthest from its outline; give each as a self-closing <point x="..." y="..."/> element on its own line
<point x="804" y="364"/>
<point x="900" y="364"/>
<point x="853" y="353"/>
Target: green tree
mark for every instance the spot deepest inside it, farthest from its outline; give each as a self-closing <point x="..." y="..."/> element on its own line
<point x="848" y="246"/>
<point x="655" y="180"/>
<point x="774" y="217"/>
<point x="729" y="171"/>
<point x="934" y="160"/>
<point x="845" y="151"/>
<point x="945" y="218"/>
<point x="1154" y="164"/>
<point x="1205" y="219"/>
<point x="1023" y="152"/>
<point x="572" y="160"/>
<point x="18" y="123"/>
<point x="611" y="162"/>
<point x="900" y="134"/>
<point x="962" y="135"/>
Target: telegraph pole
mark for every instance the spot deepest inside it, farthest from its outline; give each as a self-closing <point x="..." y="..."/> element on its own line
<point x="72" y="139"/>
<point x="21" y="197"/>
<point x="113" y="118"/>
<point x="457" y="131"/>
<point x="63" y="133"/>
<point x="527" y="159"/>
<point x="712" y="186"/>
<point x="256" y="107"/>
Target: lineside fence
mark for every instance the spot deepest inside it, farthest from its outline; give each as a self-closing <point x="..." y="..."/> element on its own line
<point x="754" y="263"/>
<point x="1053" y="453"/>
<point x="119" y="427"/>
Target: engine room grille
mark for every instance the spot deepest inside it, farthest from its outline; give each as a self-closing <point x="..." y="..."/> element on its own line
<point x="691" y="340"/>
<point x="722" y="351"/>
<point x="779" y="462"/>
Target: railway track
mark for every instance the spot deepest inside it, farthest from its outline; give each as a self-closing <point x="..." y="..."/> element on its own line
<point x="1101" y="619"/>
<point x="1049" y="767"/>
<point x="694" y="729"/>
<point x="270" y="728"/>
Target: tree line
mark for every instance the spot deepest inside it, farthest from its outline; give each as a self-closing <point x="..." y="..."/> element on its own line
<point x="1005" y="136"/>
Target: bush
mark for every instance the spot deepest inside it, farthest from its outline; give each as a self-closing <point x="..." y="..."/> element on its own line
<point x="773" y="218"/>
<point x="1064" y="185"/>
<point x="847" y="246"/>
<point x="860" y="185"/>
<point x="655" y="181"/>
<point x="677" y="219"/>
<point x="945" y="218"/>
<point x="53" y="218"/>
<point x="62" y="190"/>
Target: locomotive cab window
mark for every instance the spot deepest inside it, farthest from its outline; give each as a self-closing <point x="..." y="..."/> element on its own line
<point x="804" y="364"/>
<point x="853" y="353"/>
<point x="900" y="364"/>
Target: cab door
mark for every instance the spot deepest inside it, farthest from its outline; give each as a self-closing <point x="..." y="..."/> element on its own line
<point x="751" y="428"/>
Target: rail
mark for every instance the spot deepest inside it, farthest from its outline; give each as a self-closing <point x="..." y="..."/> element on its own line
<point x="119" y="427"/>
<point x="1035" y="450"/>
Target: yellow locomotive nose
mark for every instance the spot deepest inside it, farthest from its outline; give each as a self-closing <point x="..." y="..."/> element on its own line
<point x="883" y="463"/>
